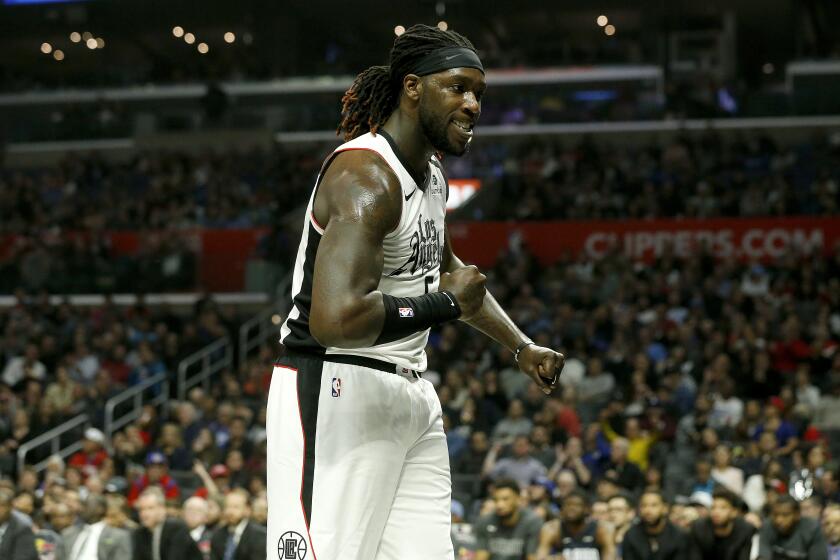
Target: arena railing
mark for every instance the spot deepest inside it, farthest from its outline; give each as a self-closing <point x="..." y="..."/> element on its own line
<point x="153" y="391"/>
<point x="266" y="324"/>
<point x="200" y="366"/>
<point x="259" y="328"/>
<point x="268" y="90"/>
<point x="53" y="438"/>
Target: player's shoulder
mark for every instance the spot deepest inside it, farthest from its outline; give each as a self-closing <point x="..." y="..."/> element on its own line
<point x="360" y="183"/>
<point x="367" y="168"/>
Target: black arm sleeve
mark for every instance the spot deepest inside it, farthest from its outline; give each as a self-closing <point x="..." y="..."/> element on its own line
<point x="408" y="315"/>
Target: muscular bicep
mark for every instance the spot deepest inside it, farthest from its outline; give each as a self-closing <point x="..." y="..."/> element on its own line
<point x="357" y="202"/>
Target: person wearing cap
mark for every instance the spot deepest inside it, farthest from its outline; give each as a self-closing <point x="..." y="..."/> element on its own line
<point x="724" y="534"/>
<point x="92" y="455"/>
<point x="156" y="475"/>
<point x="221" y="477"/>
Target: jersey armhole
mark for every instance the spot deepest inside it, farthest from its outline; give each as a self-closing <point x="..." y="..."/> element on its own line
<point x="330" y="159"/>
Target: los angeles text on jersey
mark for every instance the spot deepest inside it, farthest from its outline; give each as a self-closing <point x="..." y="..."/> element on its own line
<point x="426" y="248"/>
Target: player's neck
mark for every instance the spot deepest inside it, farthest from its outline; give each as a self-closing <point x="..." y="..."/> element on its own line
<point x="410" y="140"/>
<point x="511" y="520"/>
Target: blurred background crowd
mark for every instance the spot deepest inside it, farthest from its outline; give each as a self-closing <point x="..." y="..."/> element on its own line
<point x="684" y="378"/>
<point x="154" y="161"/>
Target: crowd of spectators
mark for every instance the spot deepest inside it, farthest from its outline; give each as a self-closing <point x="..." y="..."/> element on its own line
<point x="706" y="175"/>
<point x="60" y="360"/>
<point x="702" y="176"/>
<point x="699" y="393"/>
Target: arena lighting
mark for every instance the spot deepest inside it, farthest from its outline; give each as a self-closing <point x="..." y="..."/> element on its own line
<point x="276" y="319"/>
<point x="189" y="38"/>
<point x="75" y="36"/>
<point x="399" y="30"/>
<point x="178" y="31"/>
<point x="100" y="43"/>
<point x="46" y="48"/>
<point x="58" y="55"/>
<point x="602" y="20"/>
<point x="442" y="25"/>
<point x="87" y="35"/>
<point x="230" y="37"/>
<point x="91" y="43"/>
<point x="609" y="30"/>
<point x="203" y="48"/>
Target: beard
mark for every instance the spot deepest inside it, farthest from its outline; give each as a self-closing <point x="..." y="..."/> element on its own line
<point x="436" y="130"/>
<point x="654" y="522"/>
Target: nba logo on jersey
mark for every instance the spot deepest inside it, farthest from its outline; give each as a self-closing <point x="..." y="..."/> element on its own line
<point x="292" y="546"/>
<point x="406" y="312"/>
<point x="336" y="387"/>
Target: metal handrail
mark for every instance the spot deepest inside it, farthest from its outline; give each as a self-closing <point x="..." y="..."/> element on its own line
<point x="265" y="326"/>
<point x="53" y="436"/>
<point x="264" y="320"/>
<point x="213" y="358"/>
<point x="138" y="393"/>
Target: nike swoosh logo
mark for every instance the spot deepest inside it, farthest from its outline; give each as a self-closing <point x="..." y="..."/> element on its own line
<point x="453" y="56"/>
<point x="452" y="303"/>
<point x="410" y="195"/>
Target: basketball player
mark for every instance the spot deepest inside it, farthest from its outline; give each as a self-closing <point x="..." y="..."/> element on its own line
<point x="357" y="460"/>
<point x="574" y="536"/>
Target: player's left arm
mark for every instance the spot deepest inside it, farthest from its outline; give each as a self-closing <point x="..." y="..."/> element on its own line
<point x="604" y="540"/>
<point x="543" y="365"/>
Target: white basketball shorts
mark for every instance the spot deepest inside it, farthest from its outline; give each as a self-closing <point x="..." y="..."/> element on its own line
<point x="358" y="467"/>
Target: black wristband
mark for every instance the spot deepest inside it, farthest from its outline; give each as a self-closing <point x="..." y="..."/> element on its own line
<point x="407" y="315"/>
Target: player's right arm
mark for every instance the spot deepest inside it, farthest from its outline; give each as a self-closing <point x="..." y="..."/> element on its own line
<point x="358" y="203"/>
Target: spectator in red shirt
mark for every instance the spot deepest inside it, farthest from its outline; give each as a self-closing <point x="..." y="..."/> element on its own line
<point x="156" y="475"/>
<point x="89" y="460"/>
<point x="791" y="350"/>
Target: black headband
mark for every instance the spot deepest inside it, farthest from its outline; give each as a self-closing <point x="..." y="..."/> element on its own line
<point x="446" y="58"/>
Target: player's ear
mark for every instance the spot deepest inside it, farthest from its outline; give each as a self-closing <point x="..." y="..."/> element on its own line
<point x="412" y="86"/>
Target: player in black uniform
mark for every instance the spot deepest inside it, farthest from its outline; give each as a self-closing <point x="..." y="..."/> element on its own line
<point x="575" y="536"/>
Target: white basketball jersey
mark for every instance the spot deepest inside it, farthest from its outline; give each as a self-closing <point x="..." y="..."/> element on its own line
<point x="412" y="255"/>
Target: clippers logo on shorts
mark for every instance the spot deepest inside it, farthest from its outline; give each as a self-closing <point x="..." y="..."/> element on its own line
<point x="292" y="546"/>
<point x="336" y="387"/>
<point x="406" y="312"/>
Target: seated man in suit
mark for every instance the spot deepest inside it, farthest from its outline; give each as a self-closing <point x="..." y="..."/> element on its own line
<point x="94" y="540"/>
<point x="159" y="537"/>
<point x="16" y="538"/>
<point x="240" y="538"/>
<point x="195" y="514"/>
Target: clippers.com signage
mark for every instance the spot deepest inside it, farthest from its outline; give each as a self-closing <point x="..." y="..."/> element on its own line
<point x="747" y="239"/>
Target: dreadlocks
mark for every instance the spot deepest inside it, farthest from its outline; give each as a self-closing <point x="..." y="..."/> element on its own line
<point x="375" y="92"/>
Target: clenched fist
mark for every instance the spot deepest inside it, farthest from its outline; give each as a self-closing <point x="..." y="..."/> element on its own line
<point x="467" y="285"/>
